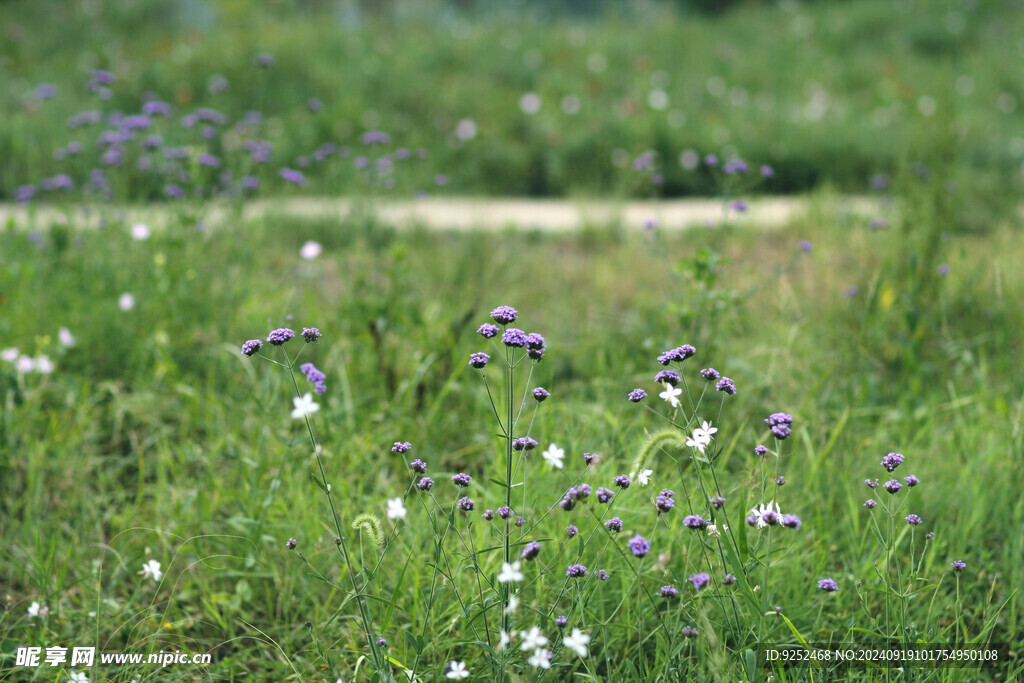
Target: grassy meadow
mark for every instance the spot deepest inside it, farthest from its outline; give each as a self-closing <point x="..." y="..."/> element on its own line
<point x="743" y="437"/>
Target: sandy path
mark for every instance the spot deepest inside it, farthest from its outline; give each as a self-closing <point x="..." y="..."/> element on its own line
<point x="491" y="214"/>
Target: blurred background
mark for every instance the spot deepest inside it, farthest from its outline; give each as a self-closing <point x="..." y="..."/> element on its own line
<point x="514" y="97"/>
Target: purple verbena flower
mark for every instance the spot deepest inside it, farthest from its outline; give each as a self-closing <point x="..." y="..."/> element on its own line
<point x="669" y="591"/>
<point x="688" y="632"/>
<point x="571" y="530"/>
<point x="504" y="315"/>
<point x="870" y="503"/>
<point x="292" y="176"/>
<point x="637" y="395"/>
<point x="699" y="580"/>
<point x="478" y="360"/>
<point x="576" y="571"/>
<point x="781" y="481"/>
<point x="791" y="521"/>
<point x="892" y="486"/>
<point x="561" y="621"/>
<point x="540" y="393"/>
<point x="417" y="465"/>
<point x="465" y="503"/>
<point x="892" y="461"/>
<point x="695" y="522"/>
<point x="604" y="495"/>
<point x="728" y="580"/>
<point x="779" y="423"/>
<point x="505" y="512"/>
<point x="462" y="479"/>
<point x="664" y="504"/>
<point x="622" y="481"/>
<point x="524" y="443"/>
<point x="669" y="376"/>
<point x="958" y="566"/>
<point x="488" y="514"/>
<point x="314" y="376"/>
<point x="727" y="385"/>
<point x="591" y="458"/>
<point x="310" y="334"/>
<point x="614" y="525"/>
<point x="639" y="546"/>
<point x="761" y="450"/>
<point x="401" y="447"/>
<point x="514" y="337"/>
<point x="677" y="355"/>
<point x="914" y="520"/>
<point x="871" y="483"/>
<point x="710" y="374"/>
<point x="716" y="502"/>
<point x="280" y="336"/>
<point x="911" y="480"/>
<point x="828" y="585"/>
<point x="531" y="551"/>
<point x="252" y="346"/>
<point x="425" y="484"/>
<point x="487" y="330"/>
<point x="291" y="543"/>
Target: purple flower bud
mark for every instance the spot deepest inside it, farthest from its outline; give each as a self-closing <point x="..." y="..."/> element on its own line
<point x="503" y="315"/>
<point x="669" y="376"/>
<point x="958" y="566"/>
<point x="487" y="330"/>
<point x="514" y="337"/>
<point x="639" y="546"/>
<point x="761" y="450"/>
<point x="695" y="522"/>
<point x="571" y="530"/>
<point x="911" y="480"/>
<point x="531" y="551"/>
<point x="727" y="385"/>
<point x="914" y="520"/>
<point x="488" y="515"/>
<point x="892" y="486"/>
<point x="669" y="591"/>
<point x="637" y="395"/>
<point x="717" y="502"/>
<point x="828" y="585"/>
<point x="576" y="571"/>
<point x="604" y="495"/>
<point x="403" y="447"/>
<point x="561" y="621"/>
<point x="478" y="360"/>
<point x="417" y="465"/>
<point x="791" y="521"/>
<point x="892" y="461"/>
<point x="540" y="393"/>
<point x="425" y="484"/>
<point x="505" y="512"/>
<point x="462" y="479"/>
<point x="310" y="334"/>
<point x="280" y="336"/>
<point x="465" y="503"/>
<point x="252" y="346"/>
<point x="622" y="481"/>
<point x="710" y="374"/>
<point x="700" y="580"/>
<point x="729" y="580"/>
<point x="614" y="525"/>
<point x="291" y="544"/>
<point x="870" y="503"/>
<point x="591" y="458"/>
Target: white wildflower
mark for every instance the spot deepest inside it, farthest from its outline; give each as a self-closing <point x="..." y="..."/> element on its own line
<point x="456" y="670"/>
<point x="510" y="573"/>
<point x="554" y="456"/>
<point x="310" y="250"/>
<point x="540" y="659"/>
<point x="66" y="338"/>
<point x="152" y="570"/>
<point x="671" y="394"/>
<point x="396" y="510"/>
<point x="304" y="406"/>
<point x="532" y="639"/>
<point x="577" y="642"/>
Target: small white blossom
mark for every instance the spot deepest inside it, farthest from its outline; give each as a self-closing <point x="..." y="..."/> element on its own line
<point x="510" y="573"/>
<point x="713" y="530"/>
<point x="24" y="364"/>
<point x="66" y="338"/>
<point x="10" y="355"/>
<point x="532" y="639"/>
<point x="644" y="477"/>
<point x="396" y="510"/>
<point x="304" y="406"/>
<point x="758" y="512"/>
<point x="152" y="570"/>
<point x="513" y="604"/>
<point x="671" y="394"/>
<point x="126" y="302"/>
<point x="140" y="232"/>
<point x="504" y="639"/>
<point x="37" y="610"/>
<point x="310" y="250"/>
<point x="577" y="642"/>
<point x="44" y="365"/>
<point x="457" y="670"/>
<point x="554" y="456"/>
<point x="78" y="677"/>
<point x="540" y="659"/>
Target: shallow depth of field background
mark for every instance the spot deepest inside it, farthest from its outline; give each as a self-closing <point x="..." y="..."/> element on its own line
<point x="153" y="438"/>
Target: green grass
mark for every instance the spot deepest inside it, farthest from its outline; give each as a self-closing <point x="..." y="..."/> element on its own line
<point x="842" y="91"/>
<point x="154" y="438"/>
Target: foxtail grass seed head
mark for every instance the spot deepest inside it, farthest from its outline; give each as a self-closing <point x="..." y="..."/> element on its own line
<point x="727" y="386"/>
<point x="250" y="347"/>
<point x="504" y="315"/>
<point x="540" y="394"/>
<point x="699" y="580"/>
<point x="478" y="360"/>
<point x="310" y="334"/>
<point x="637" y="395"/>
<point x="280" y="336"/>
<point x="892" y="461"/>
<point x="488" y="330"/>
<point x="828" y="585"/>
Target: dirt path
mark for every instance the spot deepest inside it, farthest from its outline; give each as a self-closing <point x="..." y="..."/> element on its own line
<point x="491" y="214"/>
